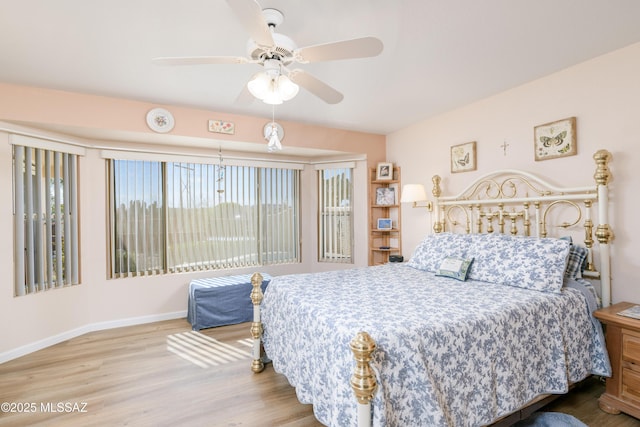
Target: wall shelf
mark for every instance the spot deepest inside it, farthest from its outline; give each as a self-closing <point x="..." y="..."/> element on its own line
<point x="385" y="242"/>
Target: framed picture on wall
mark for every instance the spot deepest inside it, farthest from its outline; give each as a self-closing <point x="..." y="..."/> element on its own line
<point x="384" y="172"/>
<point x="555" y="139"/>
<point x="463" y="157"/>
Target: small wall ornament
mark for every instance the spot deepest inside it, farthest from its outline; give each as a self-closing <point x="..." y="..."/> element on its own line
<point x="555" y="139"/>
<point x="221" y="126"/>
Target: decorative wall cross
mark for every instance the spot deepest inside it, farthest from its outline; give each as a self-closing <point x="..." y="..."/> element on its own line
<point x="504" y="147"/>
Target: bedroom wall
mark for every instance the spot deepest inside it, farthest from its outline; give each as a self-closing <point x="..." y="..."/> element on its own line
<point x="602" y="93"/>
<point x="35" y="321"/>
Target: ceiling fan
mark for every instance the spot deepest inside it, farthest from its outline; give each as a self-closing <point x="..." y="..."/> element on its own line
<point x="275" y="51"/>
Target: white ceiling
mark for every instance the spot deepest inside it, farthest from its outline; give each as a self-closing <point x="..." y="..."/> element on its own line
<point x="438" y="54"/>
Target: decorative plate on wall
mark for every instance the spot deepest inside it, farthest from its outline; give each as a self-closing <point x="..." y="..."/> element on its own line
<point x="160" y="120"/>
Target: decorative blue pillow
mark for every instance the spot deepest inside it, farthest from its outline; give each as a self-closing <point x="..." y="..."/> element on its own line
<point x="525" y="262"/>
<point x="455" y="267"/>
<point x="436" y="247"/>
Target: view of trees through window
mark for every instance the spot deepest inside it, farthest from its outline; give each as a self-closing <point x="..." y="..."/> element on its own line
<point x="173" y="217"/>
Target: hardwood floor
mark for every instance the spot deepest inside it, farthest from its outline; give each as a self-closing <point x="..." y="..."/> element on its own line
<point x="164" y="374"/>
<point x="582" y="403"/>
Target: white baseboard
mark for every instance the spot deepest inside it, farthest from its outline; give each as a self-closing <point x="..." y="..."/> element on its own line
<point x="55" y="339"/>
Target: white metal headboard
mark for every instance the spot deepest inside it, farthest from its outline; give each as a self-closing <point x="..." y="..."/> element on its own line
<point x="517" y="202"/>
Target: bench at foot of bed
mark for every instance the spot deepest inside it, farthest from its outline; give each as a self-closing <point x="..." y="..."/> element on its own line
<point x="219" y="301"/>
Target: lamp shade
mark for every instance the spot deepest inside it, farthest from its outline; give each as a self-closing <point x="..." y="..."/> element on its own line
<point x="272" y="97"/>
<point x="412" y="193"/>
<point x="287" y="88"/>
<point x="259" y="85"/>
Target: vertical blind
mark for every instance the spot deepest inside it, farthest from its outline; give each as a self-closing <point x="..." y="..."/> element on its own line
<point x="280" y="209"/>
<point x="45" y="219"/>
<point x="170" y="217"/>
<point x="335" y="192"/>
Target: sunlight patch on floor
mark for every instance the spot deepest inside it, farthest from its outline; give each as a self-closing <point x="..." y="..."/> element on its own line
<point x="248" y="342"/>
<point x="204" y="351"/>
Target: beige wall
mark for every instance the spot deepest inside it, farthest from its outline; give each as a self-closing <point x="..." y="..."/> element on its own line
<point x="602" y="93"/>
<point x="38" y="320"/>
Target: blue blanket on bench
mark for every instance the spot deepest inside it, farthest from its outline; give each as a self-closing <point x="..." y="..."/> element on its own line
<point x="221" y="301"/>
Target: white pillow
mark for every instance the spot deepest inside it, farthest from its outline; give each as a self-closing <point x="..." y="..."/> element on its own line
<point x="525" y="262"/>
<point x="436" y="247"/>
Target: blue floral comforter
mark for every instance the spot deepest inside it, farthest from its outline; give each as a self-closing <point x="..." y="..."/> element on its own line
<point x="449" y="353"/>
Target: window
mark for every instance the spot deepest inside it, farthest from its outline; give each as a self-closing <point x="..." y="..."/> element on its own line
<point x="335" y="212"/>
<point x="138" y="220"/>
<point x="176" y="216"/>
<point x="45" y="216"/>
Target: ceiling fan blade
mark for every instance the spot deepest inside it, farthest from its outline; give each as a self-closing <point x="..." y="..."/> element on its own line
<point x="199" y="60"/>
<point x="249" y="13"/>
<point x="316" y="86"/>
<point x="364" y="47"/>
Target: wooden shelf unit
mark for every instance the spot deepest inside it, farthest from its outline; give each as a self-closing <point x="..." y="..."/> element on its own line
<point x="383" y="243"/>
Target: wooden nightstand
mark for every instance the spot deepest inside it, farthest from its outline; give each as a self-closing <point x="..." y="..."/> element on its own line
<point x="622" y="392"/>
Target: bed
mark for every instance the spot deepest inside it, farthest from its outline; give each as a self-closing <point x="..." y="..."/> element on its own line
<point x="489" y="314"/>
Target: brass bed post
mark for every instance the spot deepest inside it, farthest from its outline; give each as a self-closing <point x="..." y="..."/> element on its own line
<point x="603" y="230"/>
<point x="363" y="381"/>
<point x="438" y="225"/>
<point x="256" y="327"/>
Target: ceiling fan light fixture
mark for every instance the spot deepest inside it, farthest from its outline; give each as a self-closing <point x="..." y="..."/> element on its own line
<point x="259" y="85"/>
<point x="272" y="96"/>
<point x="272" y="89"/>
<point x="287" y="88"/>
